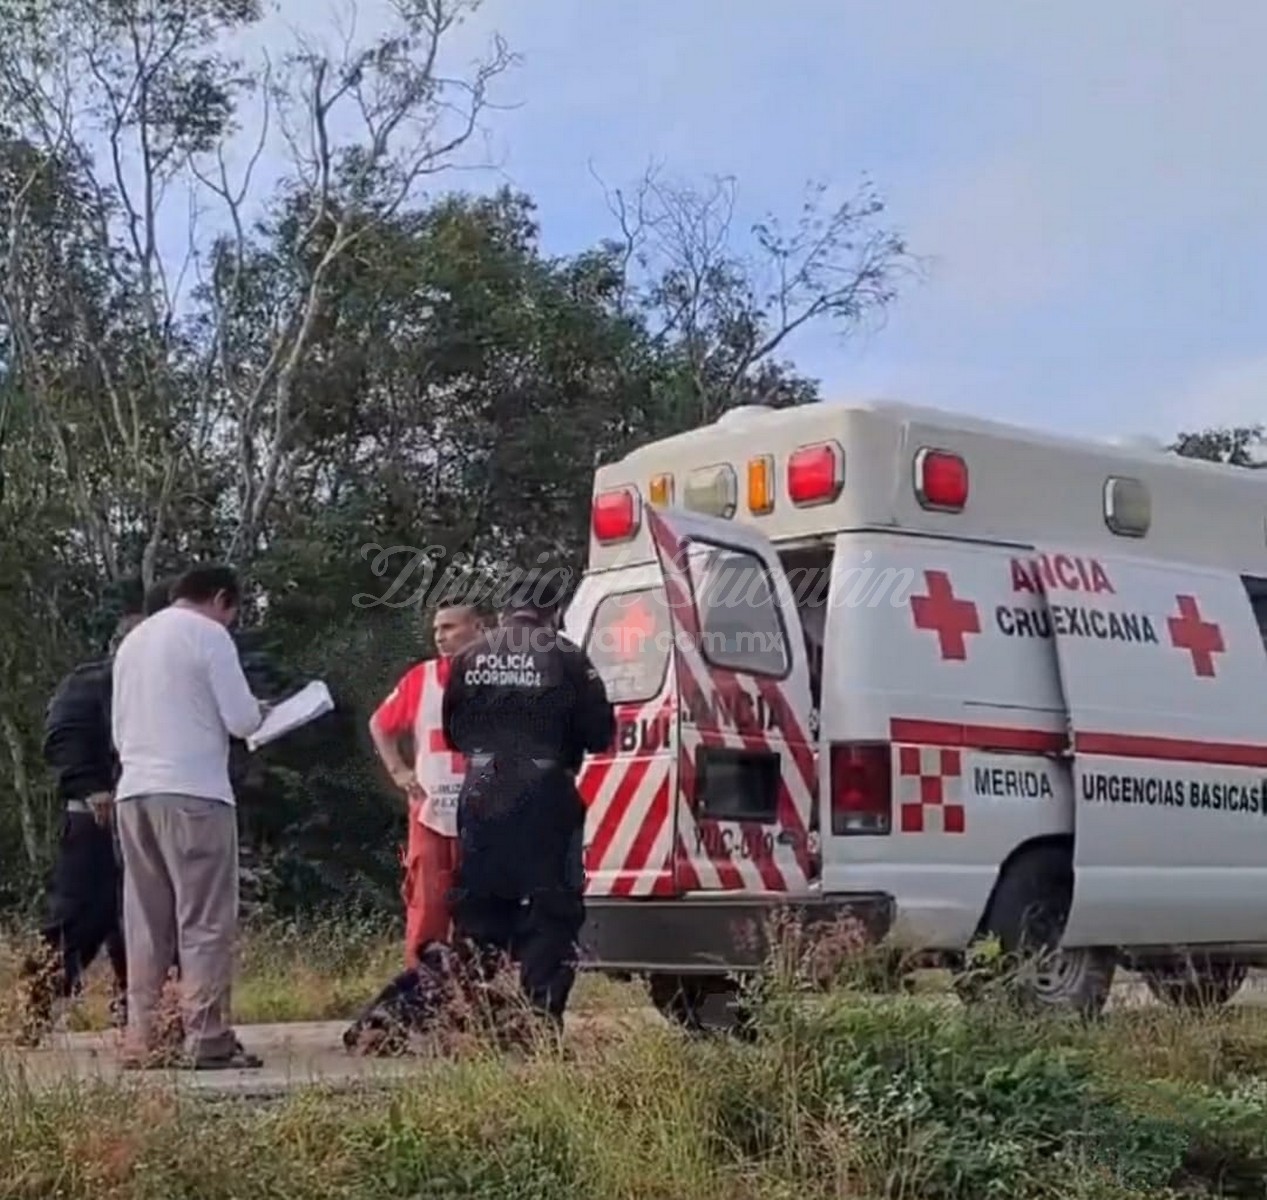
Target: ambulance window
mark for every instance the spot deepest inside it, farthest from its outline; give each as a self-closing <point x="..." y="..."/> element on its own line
<point x="628" y="643"/>
<point x="1127" y="507"/>
<point x="741" y="629"/>
<point x="1257" y="589"/>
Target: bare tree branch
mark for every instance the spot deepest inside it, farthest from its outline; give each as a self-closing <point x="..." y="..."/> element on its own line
<point x="413" y="121"/>
<point x="727" y="309"/>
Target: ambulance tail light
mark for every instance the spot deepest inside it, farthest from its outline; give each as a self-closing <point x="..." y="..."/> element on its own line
<point x="861" y="781"/>
<point x="815" y="474"/>
<point x="941" y="480"/>
<point x="614" y="516"/>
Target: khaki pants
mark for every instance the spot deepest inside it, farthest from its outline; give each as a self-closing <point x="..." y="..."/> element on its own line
<point x="180" y="897"/>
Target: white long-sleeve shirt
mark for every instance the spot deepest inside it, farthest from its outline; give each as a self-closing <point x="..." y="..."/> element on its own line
<point x="179" y="694"/>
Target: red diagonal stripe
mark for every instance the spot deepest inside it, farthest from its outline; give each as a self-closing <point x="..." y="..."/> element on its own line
<point x="614" y="816"/>
<point x="787" y="814"/>
<point x="765" y="863"/>
<point x="711" y="733"/>
<point x="593" y="776"/>
<point x="799" y="744"/>
<point x="803" y="757"/>
<point x="679" y="591"/>
<point x="674" y="555"/>
<point x="635" y="767"/>
<point x="640" y="851"/>
<point x="728" y="875"/>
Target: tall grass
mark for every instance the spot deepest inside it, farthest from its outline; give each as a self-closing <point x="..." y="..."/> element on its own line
<point x="322" y="969"/>
<point x="847" y="1094"/>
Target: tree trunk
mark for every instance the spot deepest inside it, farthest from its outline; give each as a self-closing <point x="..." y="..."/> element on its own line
<point x="22" y="787"/>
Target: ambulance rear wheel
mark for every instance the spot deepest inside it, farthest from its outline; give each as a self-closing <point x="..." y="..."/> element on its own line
<point x="699" y="1003"/>
<point x="1191" y="984"/>
<point x="1028" y="914"/>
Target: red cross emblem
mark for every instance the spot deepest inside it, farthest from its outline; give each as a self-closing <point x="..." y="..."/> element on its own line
<point x="950" y="618"/>
<point x="635" y="628"/>
<point x="1202" y="639"/>
<point x="457" y="762"/>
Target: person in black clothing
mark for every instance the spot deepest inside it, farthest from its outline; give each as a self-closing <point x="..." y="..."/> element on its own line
<point x="159" y="595"/>
<point x="524" y="704"/>
<point x="83" y="903"/>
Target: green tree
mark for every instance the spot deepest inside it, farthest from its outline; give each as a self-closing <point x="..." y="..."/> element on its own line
<point x="1234" y="445"/>
<point x="342" y="386"/>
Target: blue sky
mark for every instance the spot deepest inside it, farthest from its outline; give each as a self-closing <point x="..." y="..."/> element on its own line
<point x="1088" y="180"/>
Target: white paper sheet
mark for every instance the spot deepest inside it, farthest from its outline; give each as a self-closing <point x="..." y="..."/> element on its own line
<point x="307" y="704"/>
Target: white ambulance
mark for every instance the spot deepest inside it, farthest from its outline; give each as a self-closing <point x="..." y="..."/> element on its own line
<point x="952" y="677"/>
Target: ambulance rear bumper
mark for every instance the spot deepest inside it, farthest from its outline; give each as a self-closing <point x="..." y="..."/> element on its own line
<point x="708" y="935"/>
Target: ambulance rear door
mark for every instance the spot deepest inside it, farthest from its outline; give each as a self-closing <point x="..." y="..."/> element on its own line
<point x="622" y="621"/>
<point x="746" y="768"/>
<point x="1164" y="677"/>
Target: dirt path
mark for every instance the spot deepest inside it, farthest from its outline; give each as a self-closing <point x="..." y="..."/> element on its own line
<point x="311" y="1053"/>
<point x="295" y="1055"/>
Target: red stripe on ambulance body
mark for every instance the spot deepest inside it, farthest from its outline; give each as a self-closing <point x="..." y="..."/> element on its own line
<point x="1092" y="743"/>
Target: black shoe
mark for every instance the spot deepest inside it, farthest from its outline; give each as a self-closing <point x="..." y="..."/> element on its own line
<point x="238" y="1058"/>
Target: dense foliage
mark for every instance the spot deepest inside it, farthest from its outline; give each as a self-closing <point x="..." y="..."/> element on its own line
<point x="341" y="379"/>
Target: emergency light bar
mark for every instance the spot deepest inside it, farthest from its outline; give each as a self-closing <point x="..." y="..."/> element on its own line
<point x="815" y="474"/>
<point x="941" y="480"/>
<point x="616" y="515"/>
<point x="712" y="491"/>
<point x="660" y="493"/>
<point x="761" y="485"/>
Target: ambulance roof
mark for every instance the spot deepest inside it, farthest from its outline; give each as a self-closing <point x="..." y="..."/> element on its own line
<point x="1026" y="487"/>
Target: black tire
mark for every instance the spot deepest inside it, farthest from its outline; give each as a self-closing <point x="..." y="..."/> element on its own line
<point x="699" y="1003"/>
<point x="1196" y="983"/>
<point x="1027" y="914"/>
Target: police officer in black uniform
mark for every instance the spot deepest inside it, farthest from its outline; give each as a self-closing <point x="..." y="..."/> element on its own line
<point x="84" y="899"/>
<point x="524" y="704"/>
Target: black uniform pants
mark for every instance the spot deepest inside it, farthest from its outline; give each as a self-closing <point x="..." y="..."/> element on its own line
<point x="84" y="906"/>
<point x="518" y="888"/>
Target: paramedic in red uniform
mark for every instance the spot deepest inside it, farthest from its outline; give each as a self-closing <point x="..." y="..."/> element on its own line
<point x="524" y="705"/>
<point x="431" y="785"/>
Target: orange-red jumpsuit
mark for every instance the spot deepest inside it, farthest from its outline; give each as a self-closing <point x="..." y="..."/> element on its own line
<point x="430" y="856"/>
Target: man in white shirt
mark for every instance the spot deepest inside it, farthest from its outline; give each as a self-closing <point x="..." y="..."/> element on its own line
<point x="179" y="695"/>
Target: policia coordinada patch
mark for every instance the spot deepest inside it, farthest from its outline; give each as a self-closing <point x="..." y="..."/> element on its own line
<point x="503" y="670"/>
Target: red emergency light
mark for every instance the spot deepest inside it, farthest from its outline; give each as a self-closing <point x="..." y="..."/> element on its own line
<point x="815" y="474"/>
<point x="614" y="515"/>
<point x="941" y="480"/>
